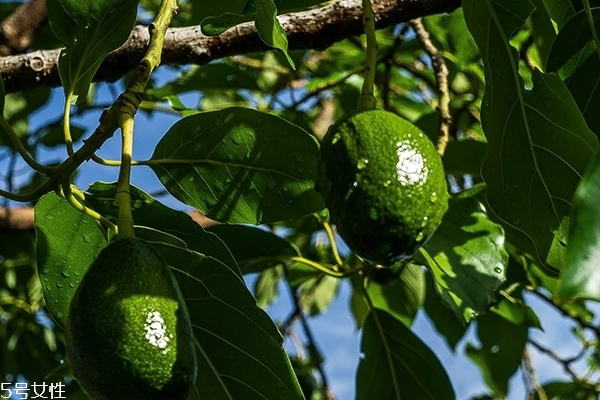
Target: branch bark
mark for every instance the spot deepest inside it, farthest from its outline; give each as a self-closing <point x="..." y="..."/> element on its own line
<point x="19" y="29"/>
<point x="312" y="29"/>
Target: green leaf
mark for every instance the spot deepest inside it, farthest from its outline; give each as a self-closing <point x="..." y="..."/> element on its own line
<point x="581" y="277"/>
<point x="401" y="298"/>
<point x="316" y="290"/>
<point x="266" y="287"/>
<point x="575" y="59"/>
<point x="253" y="248"/>
<point x="67" y="243"/>
<point x="517" y="313"/>
<point x="147" y="212"/>
<point x="467" y="259"/>
<point x="538" y="142"/>
<point x="212" y="76"/>
<point x="446" y="323"/>
<point x="499" y="357"/>
<point x="90" y="29"/>
<point x="269" y="29"/>
<point x="543" y="32"/>
<point x="560" y="390"/>
<point x="239" y="165"/>
<point x="464" y="157"/>
<point x="241" y="354"/>
<point x="397" y="364"/>
<point x="560" y="10"/>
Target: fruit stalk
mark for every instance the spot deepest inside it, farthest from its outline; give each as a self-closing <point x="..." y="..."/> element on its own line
<point x="125" y="222"/>
<point x="367" y="98"/>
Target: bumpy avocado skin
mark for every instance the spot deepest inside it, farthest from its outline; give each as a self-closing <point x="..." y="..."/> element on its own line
<point x="128" y="331"/>
<point x="384" y="185"/>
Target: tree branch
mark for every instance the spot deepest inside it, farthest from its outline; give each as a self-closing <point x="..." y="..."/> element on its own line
<point x="312" y="29"/>
<point x="18" y="31"/>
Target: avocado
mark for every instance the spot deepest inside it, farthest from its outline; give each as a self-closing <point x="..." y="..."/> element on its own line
<point x="384" y="185"/>
<point x="128" y="332"/>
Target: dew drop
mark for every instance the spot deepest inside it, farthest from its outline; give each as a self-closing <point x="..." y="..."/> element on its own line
<point x="355" y="184"/>
<point x="65" y="273"/>
<point x="498" y="270"/>
<point x="434" y="197"/>
<point x="420" y="236"/>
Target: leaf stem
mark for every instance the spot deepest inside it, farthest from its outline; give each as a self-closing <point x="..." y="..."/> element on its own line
<point x="590" y="18"/>
<point x="67" y="125"/>
<point x="333" y="242"/>
<point x="21" y="148"/>
<point x="367" y="99"/>
<point x="67" y="193"/>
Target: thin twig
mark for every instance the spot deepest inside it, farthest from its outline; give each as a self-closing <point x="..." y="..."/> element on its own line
<point x="528" y="368"/>
<point x="441" y="72"/>
<point x="565" y="363"/>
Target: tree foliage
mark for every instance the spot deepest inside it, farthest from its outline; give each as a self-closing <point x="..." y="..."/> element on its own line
<point x="506" y="89"/>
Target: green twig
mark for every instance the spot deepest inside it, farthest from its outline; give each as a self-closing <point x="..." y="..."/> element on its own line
<point x="367" y="99"/>
<point x="67" y="192"/>
<point x="67" y="125"/>
<point x="123" y="195"/>
<point x="21" y="148"/>
<point x="333" y="242"/>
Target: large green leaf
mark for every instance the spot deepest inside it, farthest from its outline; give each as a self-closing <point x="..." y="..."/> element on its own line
<point x="581" y="277"/>
<point x="575" y="59"/>
<point x="501" y="351"/>
<point x="239" y="165"/>
<point x="253" y="248"/>
<point x="147" y="212"/>
<point x="240" y="350"/>
<point x="467" y="259"/>
<point x="67" y="243"/>
<point x="90" y="29"/>
<point x="538" y="142"/>
<point x="397" y="364"/>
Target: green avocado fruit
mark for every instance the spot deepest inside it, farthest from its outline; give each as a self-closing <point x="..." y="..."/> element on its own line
<point x="383" y="183"/>
<point x="128" y="332"/>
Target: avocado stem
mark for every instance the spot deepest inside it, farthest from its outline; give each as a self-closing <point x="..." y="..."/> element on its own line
<point x="367" y="98"/>
<point x="123" y="195"/>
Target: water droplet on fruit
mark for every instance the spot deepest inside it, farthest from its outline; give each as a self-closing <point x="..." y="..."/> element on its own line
<point x="362" y="164"/>
<point x="434" y="197"/>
